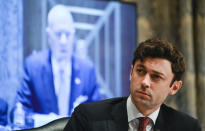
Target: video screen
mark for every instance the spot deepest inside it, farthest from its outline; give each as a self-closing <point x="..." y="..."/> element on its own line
<point x="104" y="35"/>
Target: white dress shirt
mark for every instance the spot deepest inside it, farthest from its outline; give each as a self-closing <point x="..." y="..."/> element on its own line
<point x="133" y="113"/>
<point x="66" y="66"/>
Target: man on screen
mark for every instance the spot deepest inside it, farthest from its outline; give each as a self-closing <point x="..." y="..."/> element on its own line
<point x="155" y="73"/>
<point x="56" y="80"/>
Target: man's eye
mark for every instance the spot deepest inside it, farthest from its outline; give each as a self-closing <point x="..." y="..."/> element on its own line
<point x="140" y="71"/>
<point x="58" y="34"/>
<point x="156" y="77"/>
<point x="67" y="34"/>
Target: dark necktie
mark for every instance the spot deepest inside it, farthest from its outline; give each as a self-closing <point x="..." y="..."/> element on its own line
<point x="143" y="122"/>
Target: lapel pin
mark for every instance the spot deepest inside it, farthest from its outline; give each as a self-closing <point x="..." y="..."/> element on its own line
<point x="77" y="81"/>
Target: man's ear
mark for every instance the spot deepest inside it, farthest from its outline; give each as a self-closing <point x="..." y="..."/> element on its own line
<point x="175" y="87"/>
<point x="131" y="71"/>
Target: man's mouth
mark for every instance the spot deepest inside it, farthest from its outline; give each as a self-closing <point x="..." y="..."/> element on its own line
<point x="142" y="93"/>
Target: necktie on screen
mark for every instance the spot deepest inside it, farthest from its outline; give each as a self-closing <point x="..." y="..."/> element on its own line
<point x="63" y="94"/>
<point x="143" y="122"/>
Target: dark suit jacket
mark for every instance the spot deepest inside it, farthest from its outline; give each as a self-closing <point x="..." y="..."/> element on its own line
<point x="37" y="92"/>
<point x="111" y="115"/>
<point x="3" y="112"/>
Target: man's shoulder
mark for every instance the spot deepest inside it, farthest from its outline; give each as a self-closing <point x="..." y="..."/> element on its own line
<point x="4" y="104"/>
<point x="100" y="108"/>
<point x="79" y="62"/>
<point x="103" y="104"/>
<point x="106" y="102"/>
<point x="38" y="57"/>
<point x="174" y="113"/>
<point x="174" y="117"/>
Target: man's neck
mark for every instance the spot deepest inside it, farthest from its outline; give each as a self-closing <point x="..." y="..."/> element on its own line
<point x="133" y="112"/>
<point x="62" y="59"/>
<point x="144" y="110"/>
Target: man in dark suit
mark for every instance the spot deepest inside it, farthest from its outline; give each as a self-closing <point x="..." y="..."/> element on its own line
<point x="56" y="80"/>
<point x="156" y="72"/>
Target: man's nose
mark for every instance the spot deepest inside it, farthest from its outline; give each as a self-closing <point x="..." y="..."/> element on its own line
<point x="63" y="38"/>
<point x="146" y="81"/>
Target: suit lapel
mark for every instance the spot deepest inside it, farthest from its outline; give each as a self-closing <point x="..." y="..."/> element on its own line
<point x="74" y="85"/>
<point x="48" y="83"/>
<point x="119" y="114"/>
<point x="161" y="122"/>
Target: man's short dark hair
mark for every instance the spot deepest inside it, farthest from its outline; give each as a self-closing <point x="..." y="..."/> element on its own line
<point x="156" y="48"/>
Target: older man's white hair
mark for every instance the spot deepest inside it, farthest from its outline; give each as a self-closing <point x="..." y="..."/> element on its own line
<point x="60" y="14"/>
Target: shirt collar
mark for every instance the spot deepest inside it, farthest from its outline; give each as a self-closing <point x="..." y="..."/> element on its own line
<point x="61" y="64"/>
<point x="134" y="113"/>
<point x="66" y="66"/>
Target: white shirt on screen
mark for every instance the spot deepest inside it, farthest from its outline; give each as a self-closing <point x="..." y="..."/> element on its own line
<point x="66" y="66"/>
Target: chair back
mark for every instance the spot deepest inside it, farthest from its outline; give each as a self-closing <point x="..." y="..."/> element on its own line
<point x="56" y="125"/>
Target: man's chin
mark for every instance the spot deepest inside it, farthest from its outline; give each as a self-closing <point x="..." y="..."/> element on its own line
<point x="63" y="57"/>
<point x="142" y="101"/>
